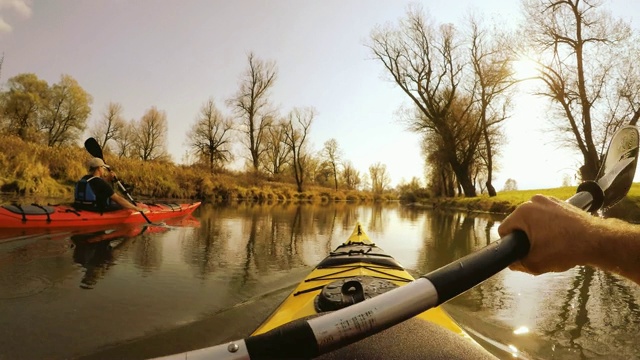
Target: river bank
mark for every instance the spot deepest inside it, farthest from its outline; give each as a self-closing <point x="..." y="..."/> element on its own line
<point x="33" y="173"/>
<point x="505" y="202"/>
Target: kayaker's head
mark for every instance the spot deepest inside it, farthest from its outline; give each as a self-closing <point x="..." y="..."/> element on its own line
<point x="97" y="164"/>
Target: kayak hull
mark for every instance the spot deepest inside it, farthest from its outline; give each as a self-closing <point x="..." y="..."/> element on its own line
<point x="66" y="216"/>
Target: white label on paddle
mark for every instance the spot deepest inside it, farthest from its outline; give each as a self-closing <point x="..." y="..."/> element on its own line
<point x="368" y="317"/>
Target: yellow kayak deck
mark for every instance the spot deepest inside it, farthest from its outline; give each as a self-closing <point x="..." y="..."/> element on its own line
<point x="356" y="258"/>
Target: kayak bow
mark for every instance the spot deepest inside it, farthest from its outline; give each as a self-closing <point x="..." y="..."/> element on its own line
<point x="333" y="284"/>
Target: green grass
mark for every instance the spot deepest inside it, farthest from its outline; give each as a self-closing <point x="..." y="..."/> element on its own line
<point x="505" y="202"/>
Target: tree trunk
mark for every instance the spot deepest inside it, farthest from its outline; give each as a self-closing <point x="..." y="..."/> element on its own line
<point x="450" y="184"/>
<point x="468" y="188"/>
<point x="490" y="189"/>
<point x="210" y="160"/>
<point x="463" y="176"/>
<point x="299" y="181"/>
<point x="464" y="180"/>
<point x="590" y="169"/>
<point x="297" y="171"/>
<point x="487" y="142"/>
<point x="254" y="159"/>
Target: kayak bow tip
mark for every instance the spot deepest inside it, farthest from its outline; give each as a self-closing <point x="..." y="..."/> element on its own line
<point x="358" y="235"/>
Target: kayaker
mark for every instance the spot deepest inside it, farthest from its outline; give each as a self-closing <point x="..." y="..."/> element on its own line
<point x="563" y="236"/>
<point x="94" y="191"/>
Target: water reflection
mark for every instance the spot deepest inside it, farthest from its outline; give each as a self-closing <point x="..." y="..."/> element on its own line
<point x="233" y="255"/>
<point x="452" y="235"/>
<point x="97" y="250"/>
<point x="577" y="314"/>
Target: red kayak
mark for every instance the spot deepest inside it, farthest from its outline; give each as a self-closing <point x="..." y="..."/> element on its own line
<point x="58" y="216"/>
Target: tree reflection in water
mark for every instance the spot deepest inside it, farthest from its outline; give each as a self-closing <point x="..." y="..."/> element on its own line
<point x="578" y="314"/>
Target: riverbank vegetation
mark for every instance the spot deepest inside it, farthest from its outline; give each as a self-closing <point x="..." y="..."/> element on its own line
<point x="33" y="171"/>
<point x="504" y="202"/>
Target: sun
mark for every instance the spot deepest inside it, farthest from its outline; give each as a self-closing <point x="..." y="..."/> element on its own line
<point x="525" y="68"/>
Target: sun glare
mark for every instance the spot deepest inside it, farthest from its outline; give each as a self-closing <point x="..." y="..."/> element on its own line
<point x="524" y="68"/>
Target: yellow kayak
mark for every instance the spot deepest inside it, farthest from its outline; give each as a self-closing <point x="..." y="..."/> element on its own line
<point x="358" y="303"/>
<point x="358" y="270"/>
<point x="357" y="259"/>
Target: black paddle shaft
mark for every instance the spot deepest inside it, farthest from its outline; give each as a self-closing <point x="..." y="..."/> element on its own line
<point x="461" y="275"/>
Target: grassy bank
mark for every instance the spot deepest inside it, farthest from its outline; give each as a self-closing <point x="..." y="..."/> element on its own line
<point x="505" y="202"/>
<point x="31" y="172"/>
<point x="34" y="171"/>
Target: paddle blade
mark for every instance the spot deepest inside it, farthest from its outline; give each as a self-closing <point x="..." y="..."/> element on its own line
<point x="619" y="167"/>
<point x="92" y="146"/>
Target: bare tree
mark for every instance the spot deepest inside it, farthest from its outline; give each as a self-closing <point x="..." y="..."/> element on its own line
<point x="588" y="66"/>
<point x="333" y="155"/>
<point x="125" y="139"/>
<point x="490" y="58"/>
<point x="431" y="66"/>
<point x="312" y="168"/>
<point x="322" y="172"/>
<point x="151" y="135"/>
<point x="109" y="125"/>
<point x="297" y="130"/>
<point x="277" y="154"/>
<point x="251" y="105"/>
<point x="209" y="136"/>
<point x="380" y="180"/>
<point x="366" y="182"/>
<point x="349" y="176"/>
<point x="65" y="116"/>
<point x="441" y="180"/>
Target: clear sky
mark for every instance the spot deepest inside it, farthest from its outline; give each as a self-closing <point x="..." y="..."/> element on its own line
<point x="177" y="54"/>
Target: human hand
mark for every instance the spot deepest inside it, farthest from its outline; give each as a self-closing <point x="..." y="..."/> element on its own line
<point x="559" y="234"/>
<point x="109" y="175"/>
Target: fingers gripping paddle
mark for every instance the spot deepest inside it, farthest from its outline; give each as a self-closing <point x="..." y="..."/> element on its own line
<point x="92" y="146"/>
<point x="308" y="338"/>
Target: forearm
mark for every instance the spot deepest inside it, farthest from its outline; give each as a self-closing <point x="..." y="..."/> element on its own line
<point x="123" y="202"/>
<point x="617" y="248"/>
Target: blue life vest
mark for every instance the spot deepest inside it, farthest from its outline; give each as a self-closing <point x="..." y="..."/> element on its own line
<point x="84" y="194"/>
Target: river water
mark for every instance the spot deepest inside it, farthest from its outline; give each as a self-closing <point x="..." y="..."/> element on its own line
<point x="144" y="291"/>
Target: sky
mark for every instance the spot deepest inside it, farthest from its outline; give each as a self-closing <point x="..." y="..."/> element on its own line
<point x="175" y="55"/>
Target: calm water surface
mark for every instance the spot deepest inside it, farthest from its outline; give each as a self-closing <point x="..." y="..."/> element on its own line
<point x="138" y="292"/>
